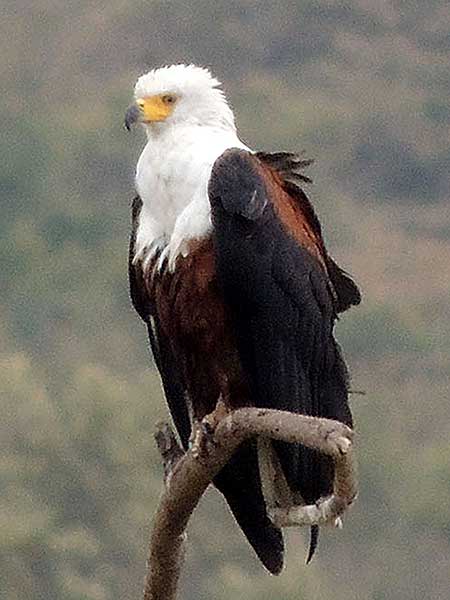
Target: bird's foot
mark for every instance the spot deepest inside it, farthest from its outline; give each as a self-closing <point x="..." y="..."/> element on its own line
<point x="202" y="439"/>
<point x="339" y="438"/>
<point x="220" y="412"/>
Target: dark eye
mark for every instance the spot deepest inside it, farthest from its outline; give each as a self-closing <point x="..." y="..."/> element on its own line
<point x="169" y="99"/>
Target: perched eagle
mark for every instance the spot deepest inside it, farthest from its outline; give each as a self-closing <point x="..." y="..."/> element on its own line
<point x="229" y="271"/>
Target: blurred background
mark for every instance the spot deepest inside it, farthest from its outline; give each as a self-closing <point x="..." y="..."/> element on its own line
<point x="363" y="87"/>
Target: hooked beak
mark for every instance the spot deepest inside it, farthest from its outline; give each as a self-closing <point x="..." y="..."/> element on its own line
<point x="132" y="116"/>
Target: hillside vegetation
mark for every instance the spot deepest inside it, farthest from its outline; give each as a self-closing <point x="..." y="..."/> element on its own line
<point x="363" y="88"/>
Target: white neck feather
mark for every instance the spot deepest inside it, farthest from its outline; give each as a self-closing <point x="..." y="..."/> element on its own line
<point x="172" y="178"/>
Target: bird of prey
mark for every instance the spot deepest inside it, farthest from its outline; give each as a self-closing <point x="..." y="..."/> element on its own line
<point x="229" y="271"/>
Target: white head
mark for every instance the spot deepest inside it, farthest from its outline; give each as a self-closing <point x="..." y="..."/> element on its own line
<point x="179" y="94"/>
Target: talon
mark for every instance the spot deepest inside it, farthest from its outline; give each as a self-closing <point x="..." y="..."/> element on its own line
<point x="202" y="439"/>
<point x="207" y="440"/>
<point x="195" y="438"/>
<point x="343" y="444"/>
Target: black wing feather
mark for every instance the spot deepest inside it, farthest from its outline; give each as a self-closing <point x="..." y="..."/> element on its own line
<point x="240" y="483"/>
<point x="290" y="168"/>
<point x="283" y="314"/>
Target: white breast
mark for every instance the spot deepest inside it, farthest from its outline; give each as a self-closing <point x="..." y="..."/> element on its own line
<point x="172" y="178"/>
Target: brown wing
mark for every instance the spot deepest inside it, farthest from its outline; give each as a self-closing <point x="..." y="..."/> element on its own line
<point x="287" y="169"/>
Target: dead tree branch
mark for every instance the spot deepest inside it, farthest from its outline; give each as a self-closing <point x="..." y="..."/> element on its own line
<point x="189" y="474"/>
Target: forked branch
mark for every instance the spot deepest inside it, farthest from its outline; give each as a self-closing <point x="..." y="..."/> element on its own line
<point x="189" y="474"/>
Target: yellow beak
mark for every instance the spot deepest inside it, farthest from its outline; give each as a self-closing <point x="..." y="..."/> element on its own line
<point x="151" y="109"/>
<point x="154" y="109"/>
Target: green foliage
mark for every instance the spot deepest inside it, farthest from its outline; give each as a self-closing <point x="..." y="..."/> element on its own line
<point x="363" y="88"/>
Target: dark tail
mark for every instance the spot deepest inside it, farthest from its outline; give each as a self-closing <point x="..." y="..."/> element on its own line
<point x="313" y="542"/>
<point x="239" y="482"/>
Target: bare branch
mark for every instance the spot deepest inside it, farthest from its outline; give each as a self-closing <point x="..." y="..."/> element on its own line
<point x="215" y="441"/>
<point x="168" y="447"/>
